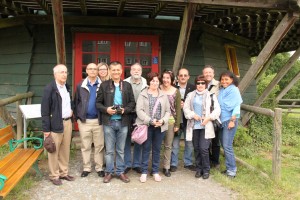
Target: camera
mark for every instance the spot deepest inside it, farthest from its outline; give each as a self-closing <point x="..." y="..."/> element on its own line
<point x="118" y="108"/>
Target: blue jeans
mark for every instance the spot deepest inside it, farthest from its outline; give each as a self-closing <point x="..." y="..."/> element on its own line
<point x="227" y="137"/>
<point x="154" y="140"/>
<point x="188" y="151"/>
<point x="137" y="153"/>
<point x="114" y="137"/>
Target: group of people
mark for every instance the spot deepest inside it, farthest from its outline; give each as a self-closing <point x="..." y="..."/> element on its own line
<point x="106" y="109"/>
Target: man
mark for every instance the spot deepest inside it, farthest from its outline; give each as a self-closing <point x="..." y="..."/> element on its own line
<point x="213" y="86"/>
<point x="138" y="83"/>
<point x="56" y="114"/>
<point x="88" y="119"/>
<point x="184" y="88"/>
<point x="116" y="102"/>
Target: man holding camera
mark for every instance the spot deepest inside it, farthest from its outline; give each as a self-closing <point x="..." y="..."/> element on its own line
<point x="115" y="100"/>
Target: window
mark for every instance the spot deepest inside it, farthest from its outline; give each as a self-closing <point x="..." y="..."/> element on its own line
<point x="232" y="60"/>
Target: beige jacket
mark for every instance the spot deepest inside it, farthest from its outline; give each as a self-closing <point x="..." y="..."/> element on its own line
<point x="142" y="109"/>
<point x="189" y="113"/>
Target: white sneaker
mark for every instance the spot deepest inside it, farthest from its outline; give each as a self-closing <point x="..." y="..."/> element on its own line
<point x="157" y="177"/>
<point x="143" y="178"/>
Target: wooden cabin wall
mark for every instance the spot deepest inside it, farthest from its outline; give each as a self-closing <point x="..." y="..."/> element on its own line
<point x="44" y="59"/>
<point x="214" y="54"/>
<point x="16" y="45"/>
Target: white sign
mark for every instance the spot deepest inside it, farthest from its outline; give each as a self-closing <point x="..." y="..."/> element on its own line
<point x="31" y="111"/>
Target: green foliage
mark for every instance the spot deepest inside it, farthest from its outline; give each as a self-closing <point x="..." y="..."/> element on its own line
<point x="32" y="131"/>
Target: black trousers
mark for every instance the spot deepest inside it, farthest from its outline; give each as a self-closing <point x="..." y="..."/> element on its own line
<point x="214" y="150"/>
<point x="201" y="146"/>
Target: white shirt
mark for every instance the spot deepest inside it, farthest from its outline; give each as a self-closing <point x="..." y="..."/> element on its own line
<point x="66" y="101"/>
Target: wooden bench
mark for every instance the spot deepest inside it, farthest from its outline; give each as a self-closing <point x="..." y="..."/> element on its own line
<point x="16" y="163"/>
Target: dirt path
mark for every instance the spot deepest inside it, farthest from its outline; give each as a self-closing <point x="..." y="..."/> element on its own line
<point x="181" y="185"/>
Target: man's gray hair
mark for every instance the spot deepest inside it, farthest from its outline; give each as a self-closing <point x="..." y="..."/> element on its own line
<point x="57" y="68"/>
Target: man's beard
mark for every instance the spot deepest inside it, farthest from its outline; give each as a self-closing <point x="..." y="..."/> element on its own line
<point x="136" y="76"/>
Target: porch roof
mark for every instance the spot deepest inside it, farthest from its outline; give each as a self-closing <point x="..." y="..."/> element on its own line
<point x="255" y="20"/>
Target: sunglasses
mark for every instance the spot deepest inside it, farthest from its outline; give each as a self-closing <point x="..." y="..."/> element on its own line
<point x="200" y="83"/>
<point x="183" y="75"/>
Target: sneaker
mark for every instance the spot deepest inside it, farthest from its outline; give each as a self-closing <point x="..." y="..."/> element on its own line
<point x="157" y="177"/>
<point x="143" y="178"/>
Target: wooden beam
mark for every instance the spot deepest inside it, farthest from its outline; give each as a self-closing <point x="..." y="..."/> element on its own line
<point x="83" y="7"/>
<point x="265" y="66"/>
<point x="273" y="83"/>
<point x="44" y="6"/>
<point x="266" y="4"/>
<point x="12" y="6"/>
<point x="160" y="6"/>
<point x="11" y="22"/>
<point x="278" y="34"/>
<point x="121" y="8"/>
<point x="225" y="34"/>
<point x="288" y="87"/>
<point x="59" y="33"/>
<point x="186" y="27"/>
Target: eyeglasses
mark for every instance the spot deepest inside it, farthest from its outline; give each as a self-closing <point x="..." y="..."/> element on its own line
<point x="200" y="83"/>
<point x="183" y="75"/>
<point x="102" y="69"/>
<point x="95" y="69"/>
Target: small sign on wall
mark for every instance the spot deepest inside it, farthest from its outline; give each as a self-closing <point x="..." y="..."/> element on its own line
<point x="155" y="60"/>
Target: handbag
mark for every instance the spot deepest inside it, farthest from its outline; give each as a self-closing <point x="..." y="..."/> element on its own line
<point x="217" y="125"/>
<point x="140" y="132"/>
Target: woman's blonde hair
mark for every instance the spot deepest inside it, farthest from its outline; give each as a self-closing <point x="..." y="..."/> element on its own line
<point x="105" y="64"/>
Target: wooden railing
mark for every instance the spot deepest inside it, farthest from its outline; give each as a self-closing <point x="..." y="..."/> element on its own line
<point x="289" y="107"/>
<point x="277" y="128"/>
<point x="18" y="99"/>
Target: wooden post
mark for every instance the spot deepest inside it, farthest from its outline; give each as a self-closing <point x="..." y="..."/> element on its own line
<point x="186" y="27"/>
<point x="288" y="87"/>
<point x="265" y="67"/>
<point x="276" y="163"/>
<point x="280" y="31"/>
<point x="273" y="83"/>
<point x="58" y="21"/>
<point x="19" y="120"/>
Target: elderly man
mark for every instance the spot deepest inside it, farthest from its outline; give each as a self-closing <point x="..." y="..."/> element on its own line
<point x="115" y="100"/>
<point x="213" y="86"/>
<point x="88" y="118"/>
<point x="138" y="83"/>
<point x="184" y="88"/>
<point x="56" y="114"/>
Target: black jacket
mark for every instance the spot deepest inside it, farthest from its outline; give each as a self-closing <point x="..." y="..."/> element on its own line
<point x="51" y="109"/>
<point x="81" y="100"/>
<point x="105" y="98"/>
<point x="189" y="88"/>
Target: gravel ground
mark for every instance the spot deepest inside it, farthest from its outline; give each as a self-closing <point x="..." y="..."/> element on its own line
<point x="181" y="185"/>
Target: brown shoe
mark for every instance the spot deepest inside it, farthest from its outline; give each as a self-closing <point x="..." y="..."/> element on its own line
<point x="107" y="178"/>
<point x="124" y="178"/>
<point x="56" y="181"/>
<point x="67" y="178"/>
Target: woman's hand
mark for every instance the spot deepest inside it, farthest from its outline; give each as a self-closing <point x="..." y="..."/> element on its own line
<point x="175" y="129"/>
<point x="205" y="120"/>
<point x="197" y="117"/>
<point x="231" y="124"/>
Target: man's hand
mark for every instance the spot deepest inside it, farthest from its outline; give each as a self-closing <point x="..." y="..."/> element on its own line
<point x="46" y="134"/>
<point x="111" y="111"/>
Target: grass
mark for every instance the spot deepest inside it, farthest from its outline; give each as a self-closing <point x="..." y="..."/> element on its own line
<point x="250" y="185"/>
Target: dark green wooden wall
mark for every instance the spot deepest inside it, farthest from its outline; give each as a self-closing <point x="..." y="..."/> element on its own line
<point x="16" y="46"/>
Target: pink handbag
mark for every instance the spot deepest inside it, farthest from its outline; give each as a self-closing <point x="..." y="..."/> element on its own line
<point x="140" y="132"/>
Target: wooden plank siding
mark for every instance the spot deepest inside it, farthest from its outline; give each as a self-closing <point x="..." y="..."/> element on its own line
<point x="44" y="59"/>
<point x="15" y="55"/>
<point x="214" y="54"/>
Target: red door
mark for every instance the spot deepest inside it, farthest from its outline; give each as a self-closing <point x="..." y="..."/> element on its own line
<point x="127" y="49"/>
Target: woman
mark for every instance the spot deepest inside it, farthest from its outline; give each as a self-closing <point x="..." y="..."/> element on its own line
<point x="230" y="102"/>
<point x="152" y="98"/>
<point x="174" y="97"/>
<point x="200" y="128"/>
<point x="103" y="71"/>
